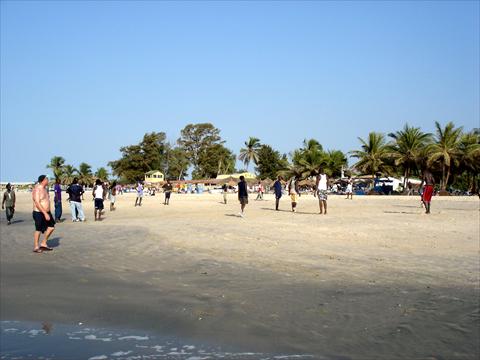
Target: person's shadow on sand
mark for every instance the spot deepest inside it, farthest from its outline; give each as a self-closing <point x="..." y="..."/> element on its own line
<point x="17" y="221"/>
<point x="290" y="211"/>
<point x="233" y="215"/>
<point x="53" y="243"/>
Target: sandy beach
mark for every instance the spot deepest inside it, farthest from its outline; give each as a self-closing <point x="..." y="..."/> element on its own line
<point x="374" y="279"/>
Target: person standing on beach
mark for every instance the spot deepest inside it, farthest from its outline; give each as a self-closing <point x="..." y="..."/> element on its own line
<point x="321" y="191"/>
<point x="167" y="188"/>
<point x="41" y="214"/>
<point x="138" y="200"/>
<point x="429" y="181"/>
<point x="225" y="192"/>
<point x="57" y="200"/>
<point x="75" y="192"/>
<point x="277" y="188"/>
<point x="349" y="190"/>
<point x="294" y="191"/>
<point x="8" y="203"/>
<point x="242" y="195"/>
<point x="98" y="197"/>
<point x="260" y="191"/>
<point x="113" y="194"/>
<point x="409" y="188"/>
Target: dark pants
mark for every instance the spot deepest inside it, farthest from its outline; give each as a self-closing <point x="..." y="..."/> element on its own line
<point x="58" y="210"/>
<point x="9" y="211"/>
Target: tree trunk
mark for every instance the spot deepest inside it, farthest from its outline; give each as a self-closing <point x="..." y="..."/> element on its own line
<point x="443" y="185"/>
<point x="446" y="179"/>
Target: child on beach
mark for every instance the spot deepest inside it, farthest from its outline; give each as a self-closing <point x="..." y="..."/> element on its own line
<point x="349" y="190"/>
<point x="260" y="191"/>
<point x="113" y="194"/>
<point x="225" y="192"/>
<point x="294" y="192"/>
<point x="138" y="200"/>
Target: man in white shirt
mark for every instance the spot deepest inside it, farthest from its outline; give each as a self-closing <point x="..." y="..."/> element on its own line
<point x="321" y="191"/>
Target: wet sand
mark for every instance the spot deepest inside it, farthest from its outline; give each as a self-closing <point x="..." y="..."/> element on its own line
<point x="374" y="279"/>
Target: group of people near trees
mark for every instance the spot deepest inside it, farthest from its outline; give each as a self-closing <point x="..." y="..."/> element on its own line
<point x="45" y="222"/>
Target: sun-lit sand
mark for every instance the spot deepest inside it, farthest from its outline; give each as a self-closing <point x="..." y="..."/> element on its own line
<point x="375" y="278"/>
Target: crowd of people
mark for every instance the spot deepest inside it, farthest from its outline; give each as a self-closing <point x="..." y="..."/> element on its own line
<point x="44" y="221"/>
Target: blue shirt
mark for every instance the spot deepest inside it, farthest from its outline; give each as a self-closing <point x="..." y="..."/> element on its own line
<point x="278" y="188"/>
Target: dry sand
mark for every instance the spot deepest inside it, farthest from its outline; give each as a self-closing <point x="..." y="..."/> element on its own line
<point x="375" y="278"/>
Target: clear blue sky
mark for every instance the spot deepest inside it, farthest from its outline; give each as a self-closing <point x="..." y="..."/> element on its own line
<point x="81" y="79"/>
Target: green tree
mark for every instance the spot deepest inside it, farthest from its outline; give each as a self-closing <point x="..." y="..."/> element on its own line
<point x="445" y="151"/>
<point x="269" y="162"/>
<point x="309" y="158"/>
<point x="333" y="162"/>
<point x="372" y="157"/>
<point x="195" y="139"/>
<point x="57" y="164"/>
<point x="154" y="148"/>
<point x="131" y="167"/>
<point x="406" y="149"/>
<point x="214" y="160"/>
<point x="249" y="153"/>
<point x="101" y="174"/>
<point x="136" y="160"/>
<point x="69" y="173"/>
<point x="85" y="173"/>
<point x="177" y="163"/>
<point x="469" y="162"/>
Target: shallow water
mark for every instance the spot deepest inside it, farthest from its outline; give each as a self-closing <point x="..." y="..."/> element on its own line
<point x="28" y="340"/>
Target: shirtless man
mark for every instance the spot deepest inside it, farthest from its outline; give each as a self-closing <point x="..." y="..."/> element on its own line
<point x="429" y="182"/>
<point x="42" y="216"/>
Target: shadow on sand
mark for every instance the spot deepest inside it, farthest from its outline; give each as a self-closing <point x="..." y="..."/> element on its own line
<point x="53" y="243"/>
<point x="290" y="211"/>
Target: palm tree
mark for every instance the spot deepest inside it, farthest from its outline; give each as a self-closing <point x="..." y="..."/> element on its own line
<point x="68" y="174"/>
<point x="406" y="148"/>
<point x="309" y="158"/>
<point x="249" y="153"/>
<point x="56" y="165"/>
<point x="469" y="148"/>
<point x="445" y="150"/>
<point x="373" y="155"/>
<point x="85" y="172"/>
<point x="333" y="162"/>
<point x="101" y="174"/>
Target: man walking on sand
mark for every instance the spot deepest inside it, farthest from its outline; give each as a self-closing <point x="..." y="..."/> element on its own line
<point x="8" y="203"/>
<point x="75" y="192"/>
<point x="427" y="190"/>
<point x="167" y="188"/>
<point x="57" y="200"/>
<point x="321" y="191"/>
<point x="42" y="216"/>
<point x="98" y="194"/>
<point x="242" y="195"/>
<point x="277" y="187"/>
